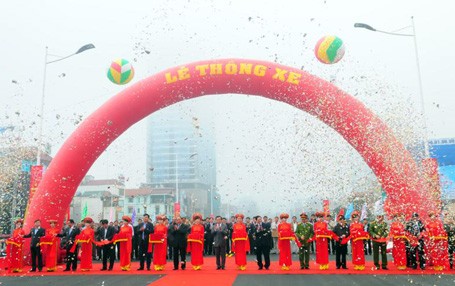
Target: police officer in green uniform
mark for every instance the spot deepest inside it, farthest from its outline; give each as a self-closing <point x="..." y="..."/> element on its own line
<point x="304" y="232"/>
<point x="379" y="232"/>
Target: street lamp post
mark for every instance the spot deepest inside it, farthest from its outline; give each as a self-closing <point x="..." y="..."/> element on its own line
<point x="46" y="62"/>
<point x="211" y="201"/>
<point x="419" y="75"/>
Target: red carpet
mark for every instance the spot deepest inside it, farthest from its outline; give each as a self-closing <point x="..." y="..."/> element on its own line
<point x="209" y="274"/>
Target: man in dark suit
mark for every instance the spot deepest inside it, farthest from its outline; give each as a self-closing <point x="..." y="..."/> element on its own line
<point x="36" y="233"/>
<point x="208" y="237"/>
<point x="145" y="228"/>
<point x="219" y="231"/>
<point x="179" y="231"/>
<point x="106" y="233"/>
<point x="262" y="235"/>
<point x="70" y="236"/>
<point x="135" y="252"/>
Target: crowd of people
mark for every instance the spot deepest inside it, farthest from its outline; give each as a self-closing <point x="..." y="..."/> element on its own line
<point x="415" y="244"/>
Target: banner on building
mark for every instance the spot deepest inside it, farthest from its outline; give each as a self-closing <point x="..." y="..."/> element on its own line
<point x="36" y="174"/>
<point x="176" y="209"/>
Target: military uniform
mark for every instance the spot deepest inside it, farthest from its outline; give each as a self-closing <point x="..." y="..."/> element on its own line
<point x="379" y="232"/>
<point x="305" y="230"/>
<point x="450" y="230"/>
<point x="415" y="227"/>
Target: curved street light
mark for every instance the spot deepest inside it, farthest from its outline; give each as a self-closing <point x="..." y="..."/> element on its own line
<point x="46" y="62"/>
<point x="419" y="75"/>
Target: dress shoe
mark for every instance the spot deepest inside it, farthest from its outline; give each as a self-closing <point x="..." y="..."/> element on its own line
<point x="33" y="270"/>
<point x="103" y="269"/>
<point x="148" y="268"/>
<point x="183" y="265"/>
<point x="140" y="268"/>
<point x="66" y="270"/>
<point x="218" y="267"/>
<point x="377" y="268"/>
<point x="385" y="268"/>
<point x="175" y="268"/>
<point x="260" y="268"/>
<point x="222" y="267"/>
<point x="39" y="270"/>
<point x="338" y="267"/>
<point x="110" y="269"/>
<point x="266" y="268"/>
<point x="344" y="267"/>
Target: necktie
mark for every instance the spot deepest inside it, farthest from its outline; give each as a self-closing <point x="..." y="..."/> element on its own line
<point x="69" y="232"/>
<point x="144" y="225"/>
<point x="105" y="233"/>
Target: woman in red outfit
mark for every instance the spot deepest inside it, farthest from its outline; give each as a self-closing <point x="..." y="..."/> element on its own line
<point x="240" y="242"/>
<point x="123" y="238"/>
<point x="357" y="235"/>
<point x="400" y="237"/>
<point x="285" y="235"/>
<point x="14" y="248"/>
<point x="158" y="244"/>
<point x="438" y="245"/>
<point x="196" y="242"/>
<point x="321" y="236"/>
<point x="49" y="246"/>
<point x="86" y="238"/>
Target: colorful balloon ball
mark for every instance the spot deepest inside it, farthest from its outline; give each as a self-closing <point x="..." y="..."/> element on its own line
<point x="120" y="72"/>
<point x="329" y="49"/>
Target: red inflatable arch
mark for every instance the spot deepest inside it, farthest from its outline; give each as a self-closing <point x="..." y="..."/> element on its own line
<point x="387" y="157"/>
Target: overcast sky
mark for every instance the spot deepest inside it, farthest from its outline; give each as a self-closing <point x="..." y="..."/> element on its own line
<point x="263" y="146"/>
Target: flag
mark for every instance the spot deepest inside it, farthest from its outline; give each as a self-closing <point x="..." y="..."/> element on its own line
<point x="85" y="211"/>
<point x="364" y="211"/>
<point x="349" y="210"/>
<point x="133" y="217"/>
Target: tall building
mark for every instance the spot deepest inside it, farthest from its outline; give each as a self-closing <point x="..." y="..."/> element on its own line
<point x="181" y="155"/>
